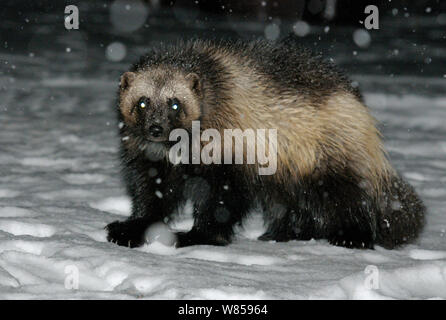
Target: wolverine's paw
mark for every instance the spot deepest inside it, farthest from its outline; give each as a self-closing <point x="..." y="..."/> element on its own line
<point x="351" y="241"/>
<point x="191" y="238"/>
<point x="128" y="233"/>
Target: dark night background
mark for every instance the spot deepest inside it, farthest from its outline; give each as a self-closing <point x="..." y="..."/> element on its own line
<point x="28" y="25"/>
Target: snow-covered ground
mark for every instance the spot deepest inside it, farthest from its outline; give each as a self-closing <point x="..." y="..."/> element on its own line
<point x="59" y="181"/>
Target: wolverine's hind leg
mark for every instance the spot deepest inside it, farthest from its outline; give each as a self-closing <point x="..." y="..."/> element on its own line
<point x="345" y="211"/>
<point x="333" y="208"/>
<point x="284" y="223"/>
<point x="284" y="218"/>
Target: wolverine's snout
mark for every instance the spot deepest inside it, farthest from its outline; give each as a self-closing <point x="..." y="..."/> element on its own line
<point x="157" y="130"/>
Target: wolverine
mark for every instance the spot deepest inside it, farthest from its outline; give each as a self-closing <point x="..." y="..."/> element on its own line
<point x="333" y="179"/>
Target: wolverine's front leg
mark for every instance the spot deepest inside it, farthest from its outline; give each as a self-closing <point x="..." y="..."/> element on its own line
<point x="141" y="179"/>
<point x="226" y="203"/>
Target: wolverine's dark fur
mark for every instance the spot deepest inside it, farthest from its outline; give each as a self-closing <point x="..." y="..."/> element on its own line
<point x="332" y="193"/>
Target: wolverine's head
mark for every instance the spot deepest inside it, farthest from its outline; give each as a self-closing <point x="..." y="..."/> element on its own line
<point x="154" y="102"/>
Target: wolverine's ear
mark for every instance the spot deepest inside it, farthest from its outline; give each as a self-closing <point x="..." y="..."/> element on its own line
<point x="126" y="79"/>
<point x="194" y="83"/>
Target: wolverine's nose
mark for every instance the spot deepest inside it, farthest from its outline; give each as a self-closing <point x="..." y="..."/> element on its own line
<point x="156" y="130"/>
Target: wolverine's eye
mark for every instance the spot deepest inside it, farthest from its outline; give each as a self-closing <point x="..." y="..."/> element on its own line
<point x="174" y="104"/>
<point x="143" y="102"/>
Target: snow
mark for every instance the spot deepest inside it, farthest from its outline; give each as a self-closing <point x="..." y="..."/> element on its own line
<point x="18" y="228"/>
<point x="60" y="184"/>
<point x="117" y="205"/>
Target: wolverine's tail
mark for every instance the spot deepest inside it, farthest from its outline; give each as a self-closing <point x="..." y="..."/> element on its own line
<point x="402" y="216"/>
